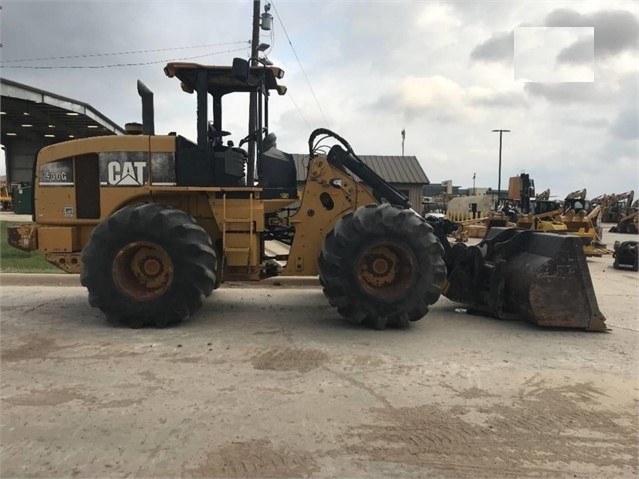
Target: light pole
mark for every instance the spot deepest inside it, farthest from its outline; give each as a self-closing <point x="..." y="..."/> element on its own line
<point x="403" y="138"/>
<point x="499" y="177"/>
<point x="474" y="190"/>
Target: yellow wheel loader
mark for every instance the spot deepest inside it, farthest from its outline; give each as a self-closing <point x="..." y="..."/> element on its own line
<point x="154" y="223"/>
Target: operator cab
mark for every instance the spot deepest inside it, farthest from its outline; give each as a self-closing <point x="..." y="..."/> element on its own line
<point x="211" y="162"/>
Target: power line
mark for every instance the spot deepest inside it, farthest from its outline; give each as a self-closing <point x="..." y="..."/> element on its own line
<point x="90" y="55"/>
<point x="300" y="64"/>
<point x="116" y="65"/>
<point x="298" y="110"/>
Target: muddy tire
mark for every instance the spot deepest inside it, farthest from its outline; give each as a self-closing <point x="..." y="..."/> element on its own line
<point x="148" y="265"/>
<point x="382" y="266"/>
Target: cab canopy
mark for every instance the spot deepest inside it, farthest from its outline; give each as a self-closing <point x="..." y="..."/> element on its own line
<point x="221" y="80"/>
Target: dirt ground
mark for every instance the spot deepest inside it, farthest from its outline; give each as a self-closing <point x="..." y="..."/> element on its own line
<point x="270" y="382"/>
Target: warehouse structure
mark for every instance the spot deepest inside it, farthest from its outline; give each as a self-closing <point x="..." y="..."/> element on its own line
<point x="31" y="119"/>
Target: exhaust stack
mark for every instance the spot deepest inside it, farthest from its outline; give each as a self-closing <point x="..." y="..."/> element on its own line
<point x="148" y="121"/>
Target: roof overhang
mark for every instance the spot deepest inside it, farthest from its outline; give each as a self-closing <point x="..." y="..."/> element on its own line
<point x="34" y="114"/>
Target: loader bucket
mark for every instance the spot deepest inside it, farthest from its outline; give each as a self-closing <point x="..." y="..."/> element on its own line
<point x="513" y="273"/>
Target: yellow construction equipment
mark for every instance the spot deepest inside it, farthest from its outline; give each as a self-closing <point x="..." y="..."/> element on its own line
<point x="154" y="223"/>
<point x="5" y="198"/>
<point x="629" y="223"/>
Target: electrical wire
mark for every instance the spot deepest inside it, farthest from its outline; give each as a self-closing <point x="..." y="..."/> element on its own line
<point x="91" y="55"/>
<point x="298" y="110"/>
<point x="300" y="63"/>
<point x="117" y="65"/>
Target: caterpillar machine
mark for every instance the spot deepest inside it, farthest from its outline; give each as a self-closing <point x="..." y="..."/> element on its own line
<point x="154" y="223"/>
<point x="625" y="214"/>
<point x="547" y="215"/>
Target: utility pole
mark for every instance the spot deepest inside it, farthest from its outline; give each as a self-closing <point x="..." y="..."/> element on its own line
<point x="252" y="126"/>
<point x="499" y="177"/>
<point x="474" y="190"/>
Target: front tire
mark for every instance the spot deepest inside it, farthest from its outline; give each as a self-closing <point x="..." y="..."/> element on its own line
<point x="148" y="265"/>
<point x="382" y="266"/>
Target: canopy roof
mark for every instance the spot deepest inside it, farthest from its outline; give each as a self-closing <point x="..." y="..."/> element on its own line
<point x="220" y="79"/>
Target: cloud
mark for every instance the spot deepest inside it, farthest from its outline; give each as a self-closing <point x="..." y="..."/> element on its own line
<point x="615" y="30"/>
<point x="436" y="97"/>
<point x="568" y="92"/>
<point x="626" y="126"/>
<point x="580" y="52"/>
<point x="498" y="48"/>
<point x="500" y="99"/>
<point x="590" y="122"/>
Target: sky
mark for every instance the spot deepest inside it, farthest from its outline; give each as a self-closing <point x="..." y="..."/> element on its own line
<point x="561" y="76"/>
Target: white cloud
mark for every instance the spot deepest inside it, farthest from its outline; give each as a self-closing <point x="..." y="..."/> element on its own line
<point x="434" y="97"/>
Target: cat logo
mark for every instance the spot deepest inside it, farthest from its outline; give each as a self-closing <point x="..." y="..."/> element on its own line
<point x="129" y="173"/>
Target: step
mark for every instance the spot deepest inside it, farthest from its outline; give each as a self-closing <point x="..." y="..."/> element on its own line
<point x="238" y="220"/>
<point x="237" y="250"/>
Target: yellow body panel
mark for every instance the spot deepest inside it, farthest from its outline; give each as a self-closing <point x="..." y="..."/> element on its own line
<point x="57" y="239"/>
<point x="57" y="204"/>
<point x="314" y="220"/>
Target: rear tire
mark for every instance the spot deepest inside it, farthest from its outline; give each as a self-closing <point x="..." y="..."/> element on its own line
<point x="148" y="265"/>
<point x="382" y="266"/>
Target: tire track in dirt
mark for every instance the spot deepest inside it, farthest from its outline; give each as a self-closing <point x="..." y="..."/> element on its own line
<point x="543" y="430"/>
<point x="289" y="359"/>
<point x="255" y="458"/>
<point x="58" y="396"/>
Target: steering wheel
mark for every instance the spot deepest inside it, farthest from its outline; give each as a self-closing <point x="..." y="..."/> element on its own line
<point x="252" y="136"/>
<point x="214" y="134"/>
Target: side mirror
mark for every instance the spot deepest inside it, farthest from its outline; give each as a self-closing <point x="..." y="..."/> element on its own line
<point x="240" y="69"/>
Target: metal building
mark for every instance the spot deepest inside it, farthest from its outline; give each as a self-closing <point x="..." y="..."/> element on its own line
<point x="404" y="173"/>
<point x="31" y="119"/>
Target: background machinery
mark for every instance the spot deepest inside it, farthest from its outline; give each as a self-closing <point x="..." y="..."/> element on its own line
<point x="615" y="205"/>
<point x="154" y="223"/>
<point x="626" y="255"/>
<point x="568" y="217"/>
<point x="619" y="209"/>
<point x="629" y="221"/>
<point x="6" y="202"/>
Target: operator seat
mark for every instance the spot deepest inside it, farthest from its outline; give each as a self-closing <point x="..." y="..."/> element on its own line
<point x="276" y="168"/>
<point x="229" y="162"/>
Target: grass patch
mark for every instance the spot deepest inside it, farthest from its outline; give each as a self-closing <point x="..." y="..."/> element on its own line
<point x="13" y="260"/>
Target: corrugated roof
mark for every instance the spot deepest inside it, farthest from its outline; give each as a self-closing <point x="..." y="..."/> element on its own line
<point x="394" y="169"/>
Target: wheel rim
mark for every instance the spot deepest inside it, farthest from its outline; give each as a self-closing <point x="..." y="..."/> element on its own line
<point x="143" y="270"/>
<point x="385" y="270"/>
